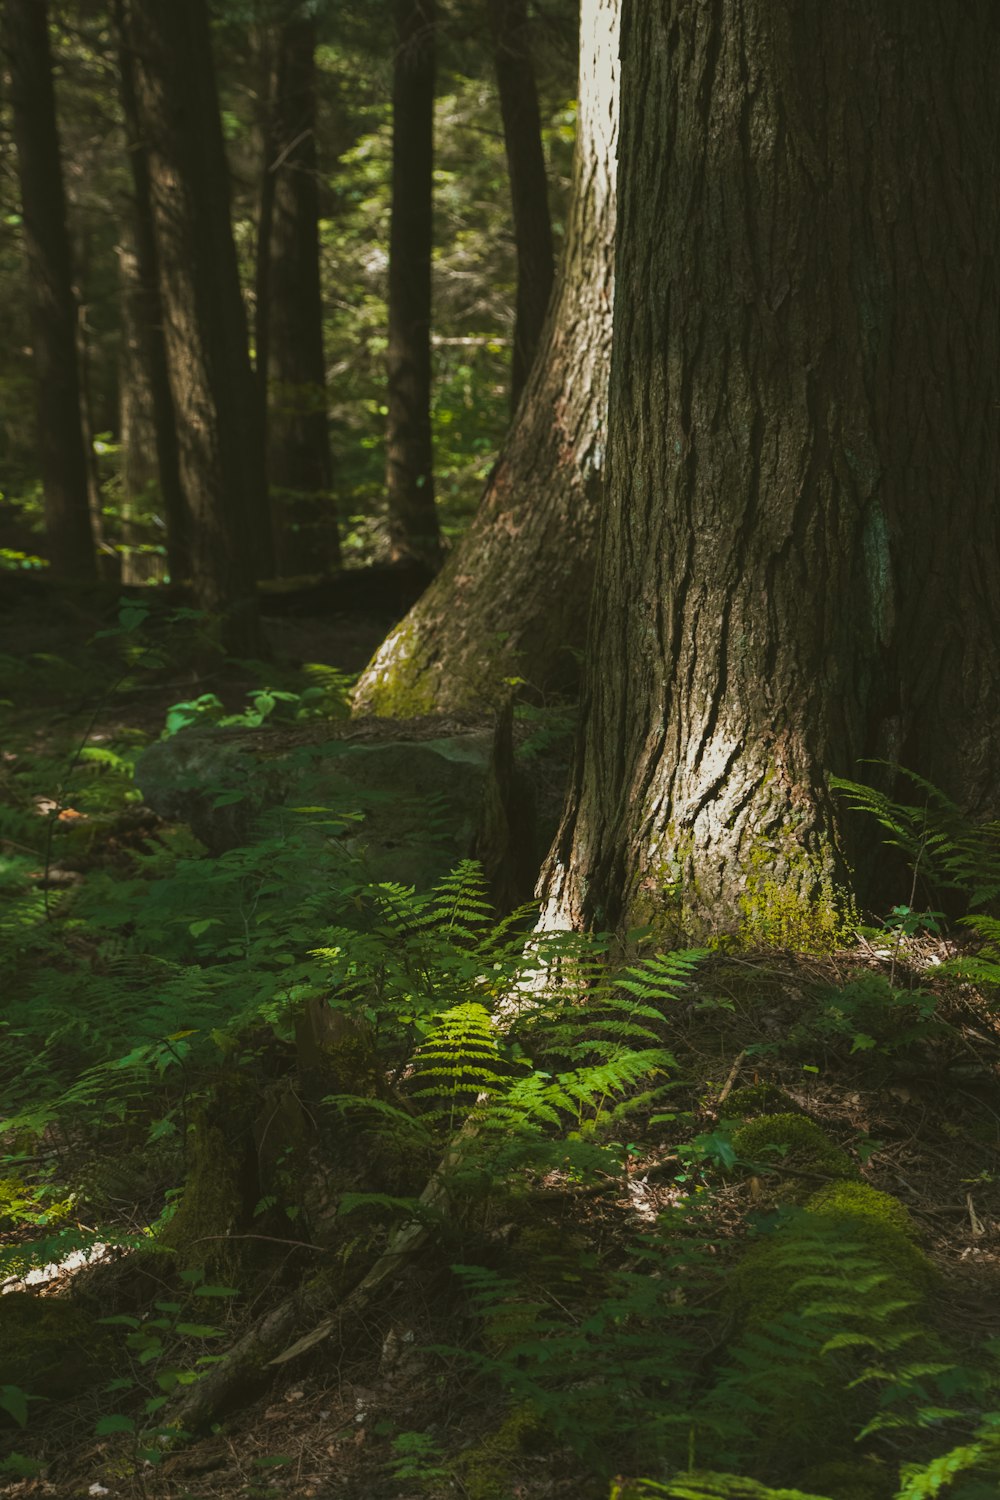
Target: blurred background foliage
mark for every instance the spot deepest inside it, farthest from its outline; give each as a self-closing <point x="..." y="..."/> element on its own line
<point x="474" y="262"/>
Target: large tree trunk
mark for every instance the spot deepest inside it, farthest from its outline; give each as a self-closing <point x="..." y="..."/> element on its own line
<point x="512" y="599"/>
<point x="221" y="445"/>
<point x="529" y="193"/>
<point x="290" y="356"/>
<point x="62" y="457"/>
<point x="413" y="523"/>
<point x="147" y="405"/>
<point x="800" y="566"/>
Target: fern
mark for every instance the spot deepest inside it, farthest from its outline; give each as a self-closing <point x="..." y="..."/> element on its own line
<point x="937" y="839"/>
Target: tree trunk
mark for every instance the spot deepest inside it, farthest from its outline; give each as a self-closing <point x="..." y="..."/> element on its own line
<point x="62" y="458"/>
<point x="148" y="401"/>
<point x="413" y="523"/>
<point x="137" y="470"/>
<point x="512" y="599"/>
<point x="291" y="360"/>
<point x="529" y="192"/>
<point x="221" y="447"/>
<point x="800" y="566"/>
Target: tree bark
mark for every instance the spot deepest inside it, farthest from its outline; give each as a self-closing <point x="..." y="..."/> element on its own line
<point x="413" y="523"/>
<point x="529" y="192"/>
<point x="512" y="599"/>
<point x="62" y="457"/>
<point x="290" y="358"/>
<point x="138" y="474"/>
<point x="221" y="446"/>
<point x="800" y="566"/>
<point x="147" y="405"/>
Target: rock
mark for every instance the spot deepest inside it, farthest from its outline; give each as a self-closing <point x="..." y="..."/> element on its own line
<point x="412" y="807"/>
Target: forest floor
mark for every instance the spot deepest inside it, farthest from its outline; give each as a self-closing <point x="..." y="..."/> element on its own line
<point x="538" y="1380"/>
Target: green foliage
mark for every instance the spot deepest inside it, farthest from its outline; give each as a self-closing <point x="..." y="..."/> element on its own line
<point x="595" y="1370"/>
<point x="162" y="1348"/>
<point x="939" y="843"/>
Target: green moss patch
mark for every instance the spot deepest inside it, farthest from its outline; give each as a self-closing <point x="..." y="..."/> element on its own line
<point x="794" y="1143"/>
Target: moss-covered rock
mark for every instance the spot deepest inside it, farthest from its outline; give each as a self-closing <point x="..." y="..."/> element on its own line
<point x="852" y="1481"/>
<point x="51" y="1346"/>
<point x="758" y="1099"/>
<point x="486" y="1470"/>
<point x="794" y="1143"/>
<point x="881" y="1226"/>
<point x="815" y="1301"/>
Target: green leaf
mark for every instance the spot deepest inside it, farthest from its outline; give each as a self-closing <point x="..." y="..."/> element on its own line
<point x="116" y="1423"/>
<point x="14" y="1402"/>
<point x="200" y="1331"/>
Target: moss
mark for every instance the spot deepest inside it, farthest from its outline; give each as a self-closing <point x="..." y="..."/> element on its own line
<point x="881" y="1225"/>
<point x="758" y="1099"/>
<point x="851" y="1481"/>
<point x="50" y="1346"/>
<point x="486" y="1470"/>
<point x="793" y="1142"/>
<point x="398" y="686"/>
<point x="211" y="1203"/>
<point x="789" y="901"/>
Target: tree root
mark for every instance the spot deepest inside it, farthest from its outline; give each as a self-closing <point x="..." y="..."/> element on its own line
<point x="266" y="1343"/>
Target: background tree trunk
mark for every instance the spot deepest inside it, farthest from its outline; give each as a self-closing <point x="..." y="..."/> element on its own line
<point x="148" y="401"/>
<point x="62" y="457"/>
<point x="221" y="446"/>
<point x="138" y="471"/>
<point x="512" y="599"/>
<point x="800" y="566"/>
<point x="413" y="523"/>
<point x="529" y="191"/>
<point x="291" y="358"/>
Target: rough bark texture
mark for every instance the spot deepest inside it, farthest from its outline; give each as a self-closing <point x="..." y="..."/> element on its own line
<point x="413" y="524"/>
<point x="512" y="599"/>
<point x="221" y="445"/>
<point x="62" y="457"/>
<point x="800" y="564"/>
<point x="298" y="456"/>
<point x="149" y="424"/>
<point x="529" y="193"/>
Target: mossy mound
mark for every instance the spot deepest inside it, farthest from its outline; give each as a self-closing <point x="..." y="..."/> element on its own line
<point x="758" y="1099"/>
<point x="838" y="1277"/>
<point x="487" y="1469"/>
<point x="851" y="1481"/>
<point x="880" y="1225"/>
<point x="50" y="1346"/>
<point x="794" y="1143"/>
<point x="704" y="1486"/>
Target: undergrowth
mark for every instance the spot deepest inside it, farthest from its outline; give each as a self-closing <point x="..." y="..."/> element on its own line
<point x="164" y="993"/>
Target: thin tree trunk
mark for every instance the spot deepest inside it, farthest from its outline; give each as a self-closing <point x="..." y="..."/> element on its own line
<point x="145" y="330"/>
<point x="801" y="562"/>
<point x="215" y="398"/>
<point x="413" y="523"/>
<point x="137" y="471"/>
<point x="291" y="358"/>
<point x="529" y="193"/>
<point x="512" y="598"/>
<point x="62" y="459"/>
